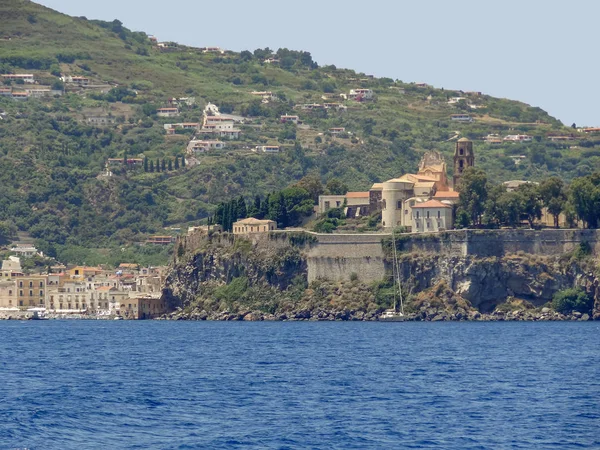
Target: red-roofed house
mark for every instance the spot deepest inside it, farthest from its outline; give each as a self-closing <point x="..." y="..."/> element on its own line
<point x="432" y="215"/>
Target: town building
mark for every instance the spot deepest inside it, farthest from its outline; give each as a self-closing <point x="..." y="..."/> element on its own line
<point x="200" y="146"/>
<point x="431" y="215"/>
<point x="290" y="119"/>
<point x="361" y="94"/>
<point x="327" y="202"/>
<point x="518" y="138"/>
<point x="252" y="225"/>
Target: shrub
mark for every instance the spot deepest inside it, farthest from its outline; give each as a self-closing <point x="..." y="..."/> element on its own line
<point x="574" y="299"/>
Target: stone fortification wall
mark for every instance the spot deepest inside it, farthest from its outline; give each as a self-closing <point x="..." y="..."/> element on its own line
<point x="339" y="256"/>
<point x="487" y="243"/>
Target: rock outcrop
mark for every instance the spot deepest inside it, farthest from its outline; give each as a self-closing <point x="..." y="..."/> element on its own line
<point x="265" y="278"/>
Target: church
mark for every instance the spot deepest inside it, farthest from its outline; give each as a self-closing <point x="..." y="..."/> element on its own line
<point x="424" y="201"/>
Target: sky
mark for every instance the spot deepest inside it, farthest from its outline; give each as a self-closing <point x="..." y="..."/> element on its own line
<point x="541" y="52"/>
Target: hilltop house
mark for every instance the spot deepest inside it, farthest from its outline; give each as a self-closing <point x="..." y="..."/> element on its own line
<point x="290" y="119"/>
<point x="518" y="138"/>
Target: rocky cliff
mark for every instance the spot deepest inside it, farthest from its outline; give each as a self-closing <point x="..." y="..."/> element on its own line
<point x="266" y="277"/>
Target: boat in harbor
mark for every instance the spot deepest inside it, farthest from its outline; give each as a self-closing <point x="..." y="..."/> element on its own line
<point x="394" y="314"/>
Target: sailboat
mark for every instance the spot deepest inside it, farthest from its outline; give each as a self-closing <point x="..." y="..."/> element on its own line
<point x="393" y="315"/>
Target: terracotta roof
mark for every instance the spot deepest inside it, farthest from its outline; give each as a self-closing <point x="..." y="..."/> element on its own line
<point x="377" y="186"/>
<point x="447" y="194"/>
<point x="432" y="204"/>
<point x="253" y="221"/>
<point x="104" y="288"/>
<point x="463" y="139"/>
<point x="428" y="184"/>
<point x="357" y="194"/>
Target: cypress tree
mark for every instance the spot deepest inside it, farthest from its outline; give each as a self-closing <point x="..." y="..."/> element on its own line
<point x="183" y="161"/>
<point x="163" y="165"/>
<point x="125" y="159"/>
<point x="263" y="211"/>
<point x="152" y="166"/>
<point x="170" y="165"/>
<point x="242" y="210"/>
<point x="157" y="165"/>
<point x="218" y="217"/>
<point x="225" y="219"/>
<point x="145" y="164"/>
<point x="177" y="162"/>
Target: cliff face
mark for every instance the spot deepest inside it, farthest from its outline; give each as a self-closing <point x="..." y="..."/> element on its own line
<point x="266" y="277"/>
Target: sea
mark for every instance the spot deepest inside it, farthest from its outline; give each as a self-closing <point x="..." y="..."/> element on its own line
<point x="285" y="385"/>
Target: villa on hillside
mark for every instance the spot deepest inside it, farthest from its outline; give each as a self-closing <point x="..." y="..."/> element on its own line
<point x="360" y="94"/>
<point x="167" y="112"/>
<point x="25" y="77"/>
<point x="266" y="149"/>
<point x="252" y="225"/>
<point x="290" y="119"/>
<point x="199" y="146"/>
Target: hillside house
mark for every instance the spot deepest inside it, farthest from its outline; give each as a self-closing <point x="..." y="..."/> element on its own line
<point x="167" y="112"/>
<point x="337" y="130"/>
<point x="21" y="95"/>
<point x="100" y="120"/>
<point x="271" y="61"/>
<point x="130" y="162"/>
<point x="518" y="138"/>
<point x="25" y="251"/>
<point x="590" y="130"/>
<point x="461" y="118"/>
<point x="6" y="92"/>
<point x="361" y="94"/>
<point x="212" y="50"/>
<point x="43" y="92"/>
<point x="561" y="138"/>
<point x="454" y="100"/>
<point x="25" y="77"/>
<point x="421" y="85"/>
<point x="337" y="106"/>
<point x="431" y="215"/>
<point x="202" y="146"/>
<point x="290" y="119"/>
<point x="81" y="81"/>
<point x="309" y="106"/>
<point x="252" y="225"/>
<point x="161" y="240"/>
<point x="265" y="95"/>
<point x="493" y="139"/>
<point x="266" y="149"/>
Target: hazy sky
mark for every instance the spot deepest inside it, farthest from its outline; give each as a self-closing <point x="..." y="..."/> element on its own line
<point x="540" y="52"/>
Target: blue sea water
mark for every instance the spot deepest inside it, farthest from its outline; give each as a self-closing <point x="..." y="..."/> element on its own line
<point x="188" y="385"/>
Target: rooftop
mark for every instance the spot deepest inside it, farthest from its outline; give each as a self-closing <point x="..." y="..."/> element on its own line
<point x="432" y="204"/>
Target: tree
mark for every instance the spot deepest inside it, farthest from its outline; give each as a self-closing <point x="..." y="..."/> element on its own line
<point x="254" y="209"/>
<point x="183" y="161"/>
<point x="312" y="184"/>
<point x="584" y="196"/>
<point x="163" y="165"/>
<point x="529" y="196"/>
<point x="552" y="192"/>
<point x="170" y="165"/>
<point x="157" y="165"/>
<point x="336" y="187"/>
<point x="145" y="164"/>
<point x="8" y="232"/>
<point x="152" y="166"/>
<point x="473" y="191"/>
<point x="242" y="210"/>
<point x="264" y="208"/>
<point x="125" y="159"/>
<point x="177" y="163"/>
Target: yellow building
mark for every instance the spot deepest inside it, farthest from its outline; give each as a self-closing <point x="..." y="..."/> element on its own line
<point x="252" y="225"/>
<point x="31" y="291"/>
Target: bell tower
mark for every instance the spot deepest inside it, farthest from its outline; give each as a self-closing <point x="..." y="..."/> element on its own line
<point x="463" y="158"/>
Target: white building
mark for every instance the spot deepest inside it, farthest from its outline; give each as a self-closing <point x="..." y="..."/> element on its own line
<point x="431" y="215"/>
<point x="361" y="94"/>
<point x="199" y="146"/>
<point x="266" y="149"/>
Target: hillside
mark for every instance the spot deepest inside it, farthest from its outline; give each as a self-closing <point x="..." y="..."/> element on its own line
<point x="54" y="152"/>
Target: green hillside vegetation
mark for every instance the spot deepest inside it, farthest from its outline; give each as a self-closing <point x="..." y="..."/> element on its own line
<point x="53" y="160"/>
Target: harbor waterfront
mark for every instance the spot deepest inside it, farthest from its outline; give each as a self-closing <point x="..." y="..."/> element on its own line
<point x="169" y="385"/>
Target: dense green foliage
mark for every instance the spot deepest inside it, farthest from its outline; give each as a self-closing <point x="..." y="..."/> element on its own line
<point x="53" y="159"/>
<point x="569" y="300"/>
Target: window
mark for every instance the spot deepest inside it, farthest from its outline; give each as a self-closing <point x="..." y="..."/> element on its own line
<point x="428" y="214"/>
<point x="327" y="205"/>
<point x="417" y="214"/>
<point x="41" y="284"/>
<point x="405" y="211"/>
<point x="31" y="293"/>
<point x="338" y="204"/>
<point x="31" y="284"/>
<point x="461" y="152"/>
<point x="10" y="292"/>
<point x="41" y="293"/>
<point x="439" y="214"/>
<point x="399" y="204"/>
<point x="20" y="284"/>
